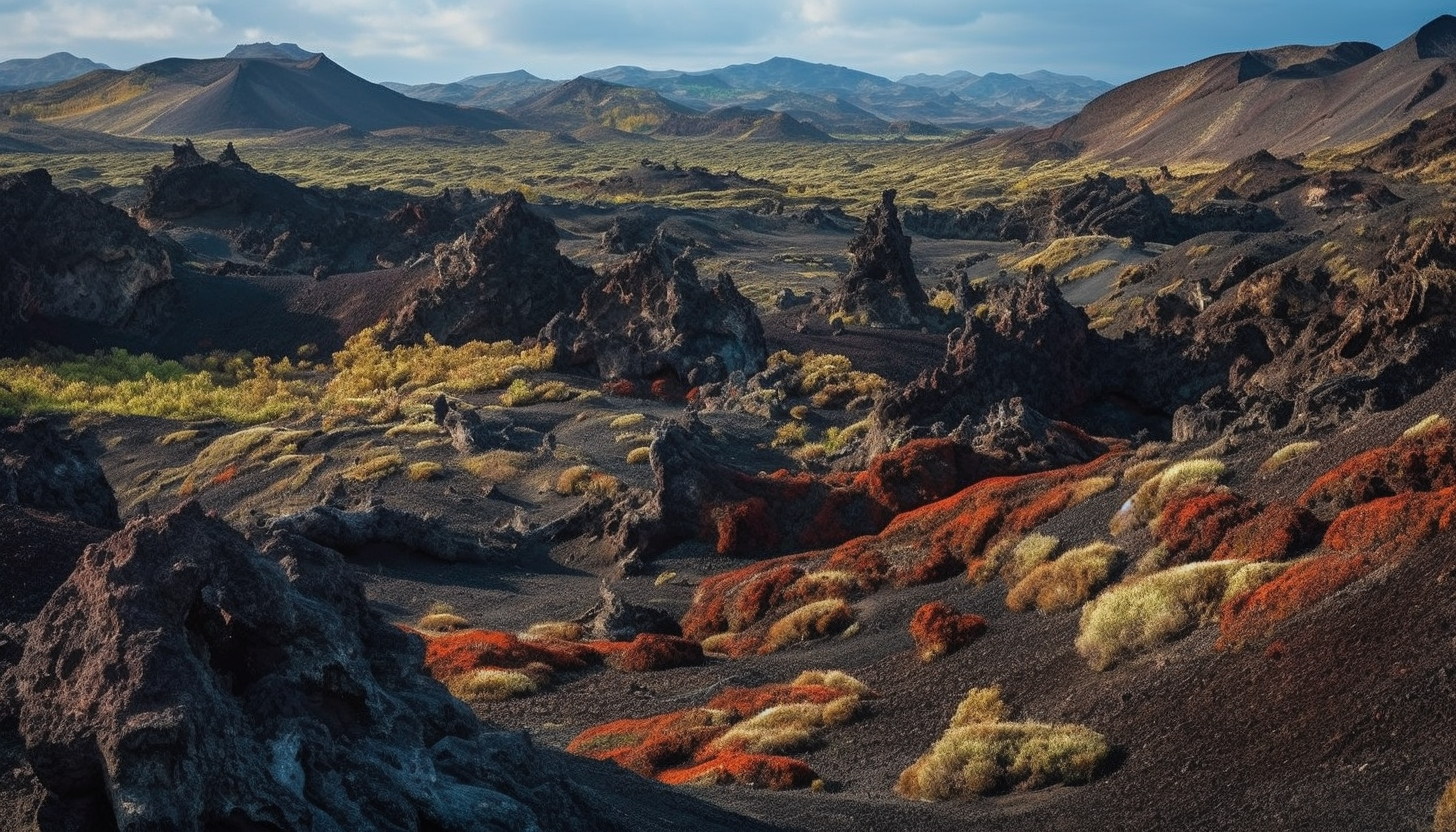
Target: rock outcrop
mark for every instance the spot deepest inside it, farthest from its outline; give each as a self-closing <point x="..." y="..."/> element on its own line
<point x="349" y="531"/>
<point x="43" y="468"/>
<point x="1030" y="344"/>
<point x="70" y="257"/>
<point x="181" y="679"/>
<point x="503" y="281"/>
<point x="881" y="288"/>
<point x="650" y="317"/>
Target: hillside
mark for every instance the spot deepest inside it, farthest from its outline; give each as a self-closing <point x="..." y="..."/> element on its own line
<point x="1287" y="100"/>
<point x="177" y="97"/>
<point x="28" y="73"/>
<point x="586" y="102"/>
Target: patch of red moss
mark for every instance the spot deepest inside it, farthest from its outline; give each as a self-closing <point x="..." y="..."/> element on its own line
<point x="939" y="630"/>
<point x="914" y="474"/>
<point x="651" y="745"/>
<point x="224" y="476"/>
<point x="742" y="703"/>
<point x="454" y="654"/>
<point x="620" y="387"/>
<point x="1426" y="462"/>
<point x="1278" y="532"/>
<point x="732" y="601"/>
<point x="746" y="528"/>
<point x="1389" y="528"/>
<point x="760" y="771"/>
<point x="1253" y="615"/>
<point x="650" y="651"/>
<point x="1194" y="522"/>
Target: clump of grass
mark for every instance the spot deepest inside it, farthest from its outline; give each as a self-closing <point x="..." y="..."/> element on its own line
<point x="1424" y="426"/>
<point x="442" y="622"/>
<point x="627" y="420"/>
<point x="307" y="464"/>
<point x="521" y="393"/>
<point x="420" y="428"/>
<point x="980" y="753"/>
<point x="790" y="434"/>
<point x="558" y="630"/>
<point x="178" y="436"/>
<point x="497" y="465"/>
<point x="813" y="620"/>
<point x="584" y="479"/>
<point x="1087" y="489"/>
<point x="944" y="301"/>
<point x="836" y="679"/>
<point x="783" y="729"/>
<point x="1143" y="613"/>
<point x="639" y="456"/>
<point x="1067" y="582"/>
<point x="981" y="706"/>
<point x="1158" y="489"/>
<point x="424" y="471"/>
<point x="1057" y="254"/>
<point x="1029" y="553"/>
<point x="1277" y="459"/>
<point x="492" y="685"/>
<point x="1445" y="820"/>
<point x="1087" y="270"/>
<point x="374" y="465"/>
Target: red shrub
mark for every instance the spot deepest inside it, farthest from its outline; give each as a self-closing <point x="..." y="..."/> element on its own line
<point x="720" y="604"/>
<point x="1276" y="533"/>
<point x="226" y="475"/>
<point x="620" y="387"/>
<point x="914" y="474"/>
<point x="648" y="746"/>
<point x="453" y="654"/>
<point x="1424" y="463"/>
<point x="1193" y="523"/>
<point x="742" y="703"/>
<point x="939" y="630"/>
<point x="757" y="770"/>
<point x="666" y="389"/>
<point x="1253" y="615"/>
<point x="1391" y="527"/>
<point x="649" y="651"/>
<point x="746" y="529"/>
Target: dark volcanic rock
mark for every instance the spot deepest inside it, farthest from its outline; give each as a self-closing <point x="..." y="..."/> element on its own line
<point x="881" y="287"/>
<point x="45" y="469"/>
<point x="1031" y="344"/>
<point x="70" y="257"/>
<point x="503" y="281"/>
<point x="181" y="679"/>
<point x="39" y="553"/>
<point x="349" y="531"/>
<point x="1108" y="205"/>
<point x="616" y="619"/>
<point x="472" y="433"/>
<point x="651" y="317"/>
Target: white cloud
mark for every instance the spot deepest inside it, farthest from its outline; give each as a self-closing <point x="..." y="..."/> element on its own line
<point x="140" y="21"/>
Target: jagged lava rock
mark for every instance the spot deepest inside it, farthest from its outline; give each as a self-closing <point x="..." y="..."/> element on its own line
<point x="651" y="317"/>
<point x="181" y="679"/>
<point x="48" y="470"/>
<point x="69" y="256"/>
<point x="881" y="286"/>
<point x="1031" y="344"/>
<point x="503" y="281"/>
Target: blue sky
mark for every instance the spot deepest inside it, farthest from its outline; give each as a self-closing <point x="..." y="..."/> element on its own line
<point x="444" y="40"/>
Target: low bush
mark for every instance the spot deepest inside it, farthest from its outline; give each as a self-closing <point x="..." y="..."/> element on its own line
<point x="811" y="621"/>
<point x="1067" y="582"/>
<point x="939" y="630"/>
<point x="980" y="706"/>
<point x="491" y="685"/>
<point x="639" y="456"/>
<point x="1030" y="552"/>
<point x="1194" y="522"/>
<point x="650" y="651"/>
<point x="1303" y="584"/>
<point x="1151" y="610"/>
<point x="1155" y="492"/>
<point x="424" y="471"/>
<point x="1291" y="451"/>
<point x="374" y="465"/>
<point x="1277" y="532"/>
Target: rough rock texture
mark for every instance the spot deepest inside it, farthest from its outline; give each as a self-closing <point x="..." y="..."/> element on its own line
<point x="1103" y="204"/>
<point x="39" y="552"/>
<point x="70" y="256"/>
<point x="472" y="433"/>
<point x="616" y="619"/>
<point x="348" y="531"/>
<point x="503" y="281"/>
<point x="181" y="679"/>
<point x="881" y="287"/>
<point x="272" y="224"/>
<point x="44" y="468"/>
<point x="1031" y="344"/>
<point x="651" y="317"/>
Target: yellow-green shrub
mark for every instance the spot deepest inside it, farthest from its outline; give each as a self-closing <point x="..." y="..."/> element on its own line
<point x="1151" y="610"/>
<point x="1067" y="582"/>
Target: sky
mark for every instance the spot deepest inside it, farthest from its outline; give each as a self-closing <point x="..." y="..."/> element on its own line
<point x="445" y="40"/>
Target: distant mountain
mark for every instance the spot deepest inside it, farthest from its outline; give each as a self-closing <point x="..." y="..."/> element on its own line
<point x="184" y="97"/>
<point x="1287" y="100"/>
<point x="29" y="73"/>
<point x="272" y="52"/>
<point x="744" y="125"/>
<point x="586" y="102"/>
<point x="495" y="91"/>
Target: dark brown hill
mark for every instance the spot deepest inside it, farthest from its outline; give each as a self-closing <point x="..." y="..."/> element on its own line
<point x="179" y="96"/>
<point x="1286" y="100"/>
<point x="740" y="123"/>
<point x="587" y="102"/>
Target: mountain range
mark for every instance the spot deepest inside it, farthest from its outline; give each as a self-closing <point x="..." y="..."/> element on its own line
<point x="28" y="73"/>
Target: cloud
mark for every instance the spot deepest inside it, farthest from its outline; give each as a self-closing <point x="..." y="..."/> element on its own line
<point x="137" y="21"/>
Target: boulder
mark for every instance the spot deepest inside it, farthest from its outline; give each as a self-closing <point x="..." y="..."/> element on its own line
<point x="47" y="469"/>
<point x="650" y="317"/>
<point x="181" y="679"/>
<point x="71" y="257"/>
<point x="503" y="281"/>
<point x="349" y="531"/>
<point x="616" y="619"/>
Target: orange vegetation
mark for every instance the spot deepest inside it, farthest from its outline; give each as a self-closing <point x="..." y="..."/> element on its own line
<point x="1276" y="533"/>
<point x="620" y="387"/>
<point x="452" y="654"/>
<point x="1193" y="523"/>
<point x="687" y="747"/>
<point x="226" y="475"/>
<point x="648" y="652"/>
<point x="1425" y="462"/>
<point x="939" y="630"/>
<point x="1360" y="539"/>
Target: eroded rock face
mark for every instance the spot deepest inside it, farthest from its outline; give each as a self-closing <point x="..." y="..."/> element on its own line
<point x="181" y="679"/>
<point x="70" y="257"/>
<point x="881" y="288"/>
<point x="43" y="468"/>
<point x="348" y="531"/>
<point x="1031" y="344"/>
<point x="503" y="281"/>
<point x="651" y="317"/>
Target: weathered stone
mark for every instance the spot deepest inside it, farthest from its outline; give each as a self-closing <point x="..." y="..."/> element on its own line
<point x="881" y="287"/>
<point x="45" y="469"/>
